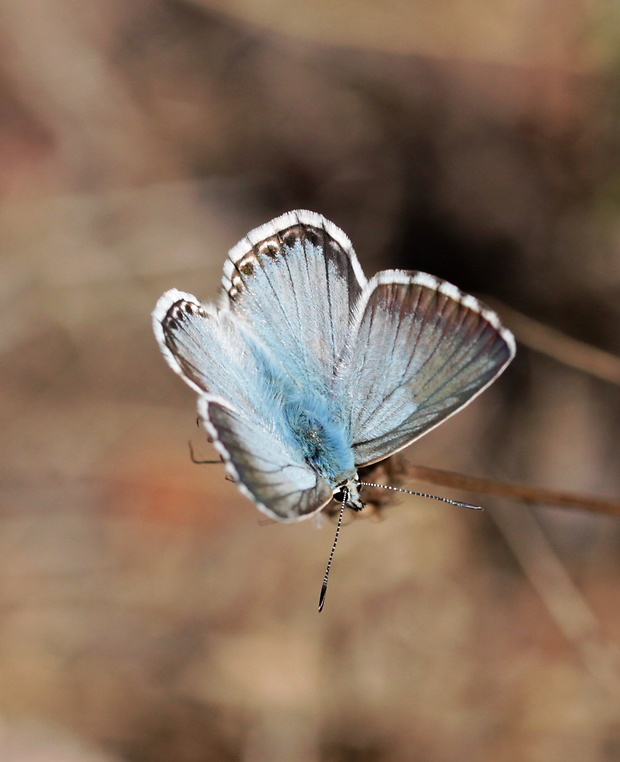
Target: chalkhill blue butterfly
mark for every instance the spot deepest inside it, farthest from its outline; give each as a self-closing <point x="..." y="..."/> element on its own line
<point x="306" y="371"/>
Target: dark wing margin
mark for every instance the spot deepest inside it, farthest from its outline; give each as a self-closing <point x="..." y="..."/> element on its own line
<point x="262" y="465"/>
<point x="181" y="324"/>
<point x="422" y="351"/>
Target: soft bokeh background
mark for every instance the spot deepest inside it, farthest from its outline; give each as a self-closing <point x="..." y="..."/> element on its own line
<point x="147" y="615"/>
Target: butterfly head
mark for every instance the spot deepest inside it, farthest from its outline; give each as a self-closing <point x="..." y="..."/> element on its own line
<point x="348" y="494"/>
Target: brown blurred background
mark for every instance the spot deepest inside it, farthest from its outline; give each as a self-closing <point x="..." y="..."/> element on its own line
<point x="147" y="615"/>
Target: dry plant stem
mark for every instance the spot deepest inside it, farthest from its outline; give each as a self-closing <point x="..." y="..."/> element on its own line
<point x="562" y="598"/>
<point x="571" y="352"/>
<point x="519" y="492"/>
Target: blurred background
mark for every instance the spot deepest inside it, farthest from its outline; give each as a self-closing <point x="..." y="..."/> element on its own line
<point x="147" y="613"/>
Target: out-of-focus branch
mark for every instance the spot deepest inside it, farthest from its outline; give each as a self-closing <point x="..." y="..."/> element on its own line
<point x="565" y="602"/>
<point x="553" y="343"/>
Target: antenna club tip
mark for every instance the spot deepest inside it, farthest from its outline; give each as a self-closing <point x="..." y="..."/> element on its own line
<point x="322" y="597"/>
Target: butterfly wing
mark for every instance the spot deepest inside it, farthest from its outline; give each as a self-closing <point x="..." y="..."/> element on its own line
<point x="266" y="468"/>
<point x="421" y="351"/>
<point x="296" y="280"/>
<point x="211" y="351"/>
<point x="220" y="357"/>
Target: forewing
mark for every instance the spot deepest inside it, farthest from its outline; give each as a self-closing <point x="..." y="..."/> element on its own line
<point x="265" y="466"/>
<point x="421" y="351"/>
<point x="296" y="280"/>
<point x="212" y="351"/>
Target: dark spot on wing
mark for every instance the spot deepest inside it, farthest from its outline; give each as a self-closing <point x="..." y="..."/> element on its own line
<point x="269" y="248"/>
<point x="178" y="314"/>
<point x="314" y="236"/>
<point x="291" y="236"/>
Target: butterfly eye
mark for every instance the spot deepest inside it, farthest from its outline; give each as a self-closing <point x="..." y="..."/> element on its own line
<point x="341" y="495"/>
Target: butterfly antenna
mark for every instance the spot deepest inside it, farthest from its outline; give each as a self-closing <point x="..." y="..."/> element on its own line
<point x="331" y="558"/>
<point x="424" y="494"/>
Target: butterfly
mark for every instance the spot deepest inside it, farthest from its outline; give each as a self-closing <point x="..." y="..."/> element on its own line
<point x="306" y="371"/>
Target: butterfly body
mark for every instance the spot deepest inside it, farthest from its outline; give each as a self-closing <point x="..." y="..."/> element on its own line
<point x="322" y="438"/>
<point x="306" y="371"/>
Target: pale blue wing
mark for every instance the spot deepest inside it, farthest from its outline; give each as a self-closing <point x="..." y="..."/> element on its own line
<point x="421" y="350"/>
<point x="266" y="467"/>
<point x="220" y="357"/>
<point x="296" y="280"/>
<point x="215" y="352"/>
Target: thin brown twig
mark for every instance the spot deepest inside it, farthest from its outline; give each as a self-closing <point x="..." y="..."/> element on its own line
<point x="565" y="603"/>
<point x="553" y="343"/>
<point x="519" y="492"/>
